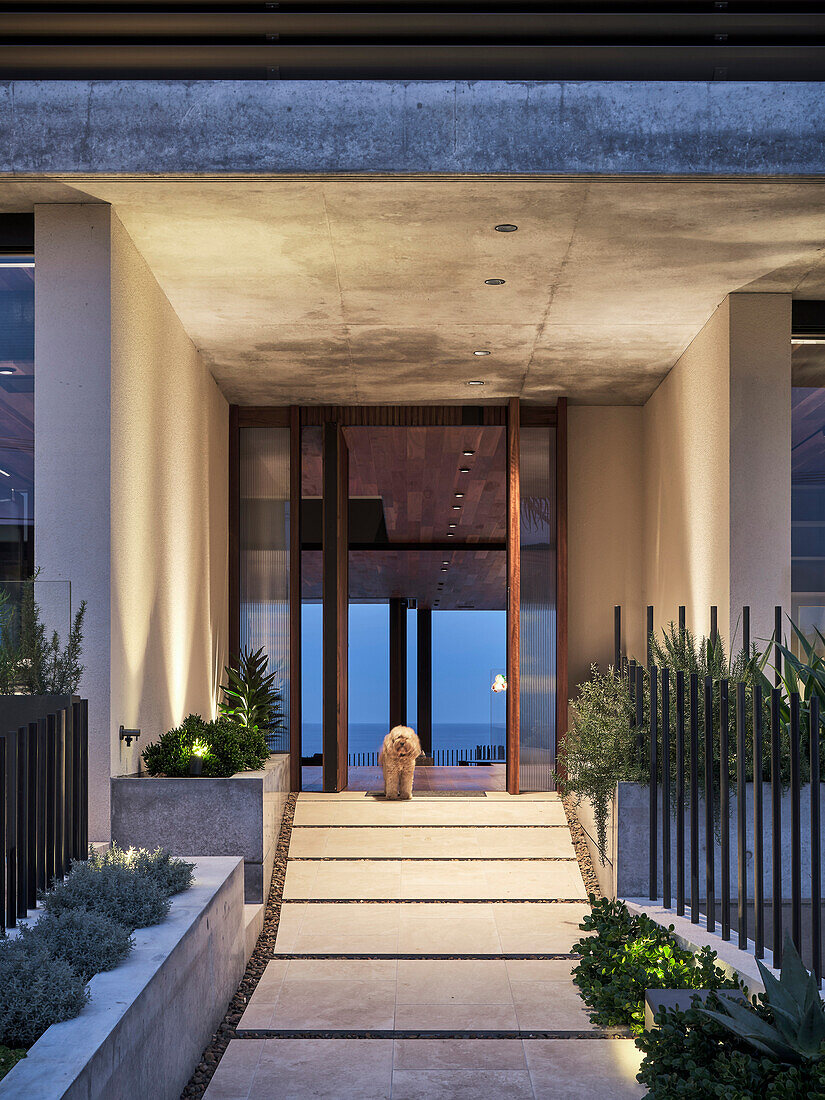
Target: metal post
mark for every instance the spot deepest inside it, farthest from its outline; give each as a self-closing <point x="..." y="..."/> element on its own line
<point x="758" y="837"/>
<point x="816" y="848"/>
<point x="22" y="821"/>
<point x="682" y="619"/>
<point x="724" y="803"/>
<point x="617" y="638"/>
<point x="649" y="633"/>
<point x="741" y="820"/>
<point x="746" y="630"/>
<point x="666" y="788"/>
<point x="796" y="829"/>
<point x="654" y="781"/>
<point x="777" y="653"/>
<point x="709" y="831"/>
<point x="680" y="793"/>
<point x="694" y="798"/>
<point x="34" y="825"/>
<point x="776" y="826"/>
<point x="10" y="741"/>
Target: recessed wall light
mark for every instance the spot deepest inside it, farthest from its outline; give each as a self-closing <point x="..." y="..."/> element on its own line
<point x="494" y="282"/>
<point x="506" y="227"/>
<point x="481" y="351"/>
<point x="475" y="382"/>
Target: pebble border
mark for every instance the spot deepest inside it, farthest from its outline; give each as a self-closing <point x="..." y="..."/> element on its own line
<point x="591" y="883"/>
<point x="255" y="968"/>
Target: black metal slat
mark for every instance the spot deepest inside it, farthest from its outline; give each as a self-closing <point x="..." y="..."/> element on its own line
<point x="680" y="793"/>
<point x="640" y="709"/>
<point x="746" y="629"/>
<point x="796" y="828"/>
<point x="51" y="798"/>
<point x="777" y="653"/>
<point x="10" y="740"/>
<point x="68" y="806"/>
<point x="31" y="802"/>
<point x="758" y="837"/>
<point x="710" y="889"/>
<point x="694" y="798"/>
<point x="59" y="791"/>
<point x="3" y="830"/>
<point x="653" y="824"/>
<point x="724" y="804"/>
<point x="666" y="788"/>
<point x="22" y="821"/>
<point x="84" y="778"/>
<point x="42" y="794"/>
<point x="776" y="825"/>
<point x="816" y="847"/>
<point x="649" y="634"/>
<point x="741" y="820"/>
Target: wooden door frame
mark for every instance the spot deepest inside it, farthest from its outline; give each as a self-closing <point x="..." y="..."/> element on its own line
<point x="512" y="417"/>
<point x="335" y="618"/>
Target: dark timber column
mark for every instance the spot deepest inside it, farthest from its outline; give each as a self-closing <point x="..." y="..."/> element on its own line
<point x="398" y="662"/>
<point x="335" y="607"/>
<point x="513" y="595"/>
<point x="424" y="678"/>
<point x="562" y="614"/>
<point x="295" y="599"/>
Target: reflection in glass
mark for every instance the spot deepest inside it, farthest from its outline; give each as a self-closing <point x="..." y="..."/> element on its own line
<point x="808" y="509"/>
<point x="538" y="608"/>
<point x="16" y="418"/>
<point x="264" y="555"/>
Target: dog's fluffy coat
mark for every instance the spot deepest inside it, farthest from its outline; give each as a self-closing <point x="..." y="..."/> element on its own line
<point x="399" y="752"/>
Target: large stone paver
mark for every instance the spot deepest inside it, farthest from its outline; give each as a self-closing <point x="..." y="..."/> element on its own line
<point x="427" y="1069"/>
<point x="470" y="898"/>
<point x="484" y="928"/>
<point x="431" y="880"/>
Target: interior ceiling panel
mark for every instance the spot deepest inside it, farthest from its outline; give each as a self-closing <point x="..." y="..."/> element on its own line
<point x="373" y="291"/>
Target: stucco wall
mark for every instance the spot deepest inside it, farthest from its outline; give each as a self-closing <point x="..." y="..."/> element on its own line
<point x="716" y="463"/>
<point x="131" y="474"/>
<point x="605" y="531"/>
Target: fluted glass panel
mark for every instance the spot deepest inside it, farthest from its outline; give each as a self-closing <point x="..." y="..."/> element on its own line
<point x="264" y="556"/>
<point x="538" y="608"/>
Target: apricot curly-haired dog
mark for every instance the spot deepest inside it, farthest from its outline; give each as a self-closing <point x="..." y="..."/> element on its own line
<point x="399" y="752"/>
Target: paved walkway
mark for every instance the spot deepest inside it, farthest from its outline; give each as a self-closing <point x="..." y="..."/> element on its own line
<point x="423" y="952"/>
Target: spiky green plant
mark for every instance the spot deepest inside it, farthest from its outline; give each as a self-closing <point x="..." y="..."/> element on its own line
<point x="797" y="1034"/>
<point x="251" y="698"/>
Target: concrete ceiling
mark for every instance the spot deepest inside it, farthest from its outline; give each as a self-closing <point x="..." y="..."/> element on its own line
<point x="348" y="291"/>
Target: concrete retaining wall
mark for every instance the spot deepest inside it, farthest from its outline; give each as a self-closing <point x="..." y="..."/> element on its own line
<point x="149" y="1019"/>
<point x="624" y="872"/>
<point x="238" y="816"/>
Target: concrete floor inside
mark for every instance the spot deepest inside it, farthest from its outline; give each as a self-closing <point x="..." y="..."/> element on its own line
<point x="424" y="951"/>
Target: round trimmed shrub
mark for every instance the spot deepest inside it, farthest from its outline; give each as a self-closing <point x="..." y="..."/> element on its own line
<point x="134" y="901"/>
<point x="36" y="991"/>
<point x="88" y="941"/>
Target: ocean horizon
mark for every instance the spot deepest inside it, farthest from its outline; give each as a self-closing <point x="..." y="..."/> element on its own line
<point x="367" y="736"/>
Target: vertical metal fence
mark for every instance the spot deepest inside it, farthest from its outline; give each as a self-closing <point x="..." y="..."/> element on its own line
<point x="705" y="746"/>
<point x="44" y="799"/>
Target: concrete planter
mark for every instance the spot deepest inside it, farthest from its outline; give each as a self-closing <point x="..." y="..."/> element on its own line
<point x="624" y="872"/>
<point x="238" y="816"/>
<point x="149" y="1019"/>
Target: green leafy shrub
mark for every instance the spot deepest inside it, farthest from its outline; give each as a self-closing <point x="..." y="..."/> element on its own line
<point x="689" y="1056"/>
<point x="170" y="875"/>
<point x="251" y="698"/>
<point x="9" y="1057"/>
<point x="628" y="954"/>
<point x="600" y="747"/>
<point x="116" y="892"/>
<point x="87" y="941"/>
<point x="230" y="748"/>
<point x="36" y="991"/>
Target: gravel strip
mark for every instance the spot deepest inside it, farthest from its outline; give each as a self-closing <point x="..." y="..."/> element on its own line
<point x="255" y="967"/>
<point x="591" y="883"/>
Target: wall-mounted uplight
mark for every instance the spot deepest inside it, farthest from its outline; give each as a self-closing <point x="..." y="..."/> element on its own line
<point x="494" y="282"/>
<point x="506" y="227"/>
<point x="128" y="735"/>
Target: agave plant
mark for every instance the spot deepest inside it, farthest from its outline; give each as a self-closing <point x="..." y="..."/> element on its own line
<point x="251" y="698"/>
<point x="797" y="1033"/>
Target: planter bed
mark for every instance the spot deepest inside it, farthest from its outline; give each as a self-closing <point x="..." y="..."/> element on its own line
<point x="625" y="871"/>
<point x="127" y="1042"/>
<point x="238" y="816"/>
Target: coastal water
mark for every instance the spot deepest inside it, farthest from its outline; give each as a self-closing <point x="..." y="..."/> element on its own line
<point x="367" y="737"/>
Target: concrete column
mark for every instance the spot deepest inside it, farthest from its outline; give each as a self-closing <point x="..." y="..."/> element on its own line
<point x="717" y="466"/>
<point x="72" y="450"/>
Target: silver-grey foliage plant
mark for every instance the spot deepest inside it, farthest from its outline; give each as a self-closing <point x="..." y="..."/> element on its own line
<point x="132" y="900"/>
<point x="86" y="940"/>
<point x="36" y="991"/>
<point x="170" y="874"/>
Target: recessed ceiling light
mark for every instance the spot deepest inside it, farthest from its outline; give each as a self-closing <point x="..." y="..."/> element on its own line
<point x="451" y="534"/>
<point x="468" y="453"/>
<point x="494" y="282"/>
<point x="445" y="563"/>
<point x="3" y="472"/>
<point x="475" y="382"/>
<point x="6" y="370"/>
<point x="506" y="228"/>
<point x="464" y="469"/>
<point x="443" y="568"/>
<point x="481" y="352"/>
<point x="17" y="263"/>
<point x="459" y="495"/>
<point x="453" y="525"/>
<point x="456" y="507"/>
<point x="799" y="340"/>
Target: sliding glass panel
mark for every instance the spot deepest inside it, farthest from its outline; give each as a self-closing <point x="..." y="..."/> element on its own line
<point x="264" y="558"/>
<point x="538" y="608"/>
